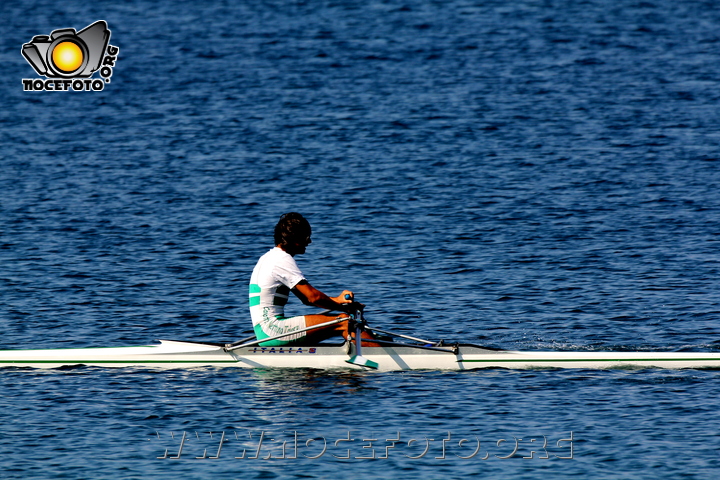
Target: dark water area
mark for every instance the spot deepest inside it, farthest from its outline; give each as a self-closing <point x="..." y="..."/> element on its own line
<point x="535" y="175"/>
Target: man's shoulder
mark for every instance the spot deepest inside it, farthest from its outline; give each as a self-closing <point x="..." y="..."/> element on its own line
<point x="277" y="256"/>
<point x="277" y="252"/>
<point x="280" y="266"/>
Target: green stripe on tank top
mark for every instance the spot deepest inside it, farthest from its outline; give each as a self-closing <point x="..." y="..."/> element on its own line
<point x="259" y="333"/>
<point x="254" y="299"/>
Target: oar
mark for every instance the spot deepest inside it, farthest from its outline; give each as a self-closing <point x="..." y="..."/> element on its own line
<point x="372" y="329"/>
<point x="239" y="342"/>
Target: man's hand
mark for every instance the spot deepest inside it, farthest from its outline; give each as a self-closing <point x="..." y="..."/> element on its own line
<point x="346" y="299"/>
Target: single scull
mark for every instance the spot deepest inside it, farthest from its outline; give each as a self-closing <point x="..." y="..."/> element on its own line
<point x="172" y="354"/>
<point x="389" y="355"/>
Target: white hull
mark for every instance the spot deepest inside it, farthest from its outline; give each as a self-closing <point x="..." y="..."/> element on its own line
<point x="171" y="354"/>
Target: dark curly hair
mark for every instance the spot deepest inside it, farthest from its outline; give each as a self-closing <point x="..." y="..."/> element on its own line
<point x="292" y="228"/>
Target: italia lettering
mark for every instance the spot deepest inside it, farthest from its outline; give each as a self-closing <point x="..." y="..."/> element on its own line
<point x="282" y="350"/>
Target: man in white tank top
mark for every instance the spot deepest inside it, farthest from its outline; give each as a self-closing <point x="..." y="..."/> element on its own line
<point x="276" y="275"/>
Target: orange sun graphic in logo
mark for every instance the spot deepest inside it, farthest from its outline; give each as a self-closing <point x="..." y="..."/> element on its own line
<point x="67" y="56"/>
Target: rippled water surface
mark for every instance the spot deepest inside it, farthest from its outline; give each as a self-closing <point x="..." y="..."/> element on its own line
<point x="527" y="175"/>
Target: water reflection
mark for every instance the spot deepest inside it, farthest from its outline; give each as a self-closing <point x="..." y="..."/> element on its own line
<point x="310" y="381"/>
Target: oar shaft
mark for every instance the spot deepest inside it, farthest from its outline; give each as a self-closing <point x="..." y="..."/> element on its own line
<point x="239" y="342"/>
<point x="312" y="327"/>
<point x="408" y="345"/>
<point x="398" y="335"/>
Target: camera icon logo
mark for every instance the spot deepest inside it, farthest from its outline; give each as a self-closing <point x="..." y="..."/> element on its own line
<point x="68" y="59"/>
<point x="66" y="53"/>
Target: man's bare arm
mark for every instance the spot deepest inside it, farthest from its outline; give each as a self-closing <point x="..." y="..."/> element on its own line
<point x="310" y="295"/>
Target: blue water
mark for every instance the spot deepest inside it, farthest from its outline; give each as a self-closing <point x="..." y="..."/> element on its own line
<point x="528" y="175"/>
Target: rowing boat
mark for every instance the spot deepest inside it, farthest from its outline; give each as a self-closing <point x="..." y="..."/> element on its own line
<point x="383" y="353"/>
<point x="386" y="357"/>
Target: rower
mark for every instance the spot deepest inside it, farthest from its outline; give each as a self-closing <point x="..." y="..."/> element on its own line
<point x="276" y="275"/>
